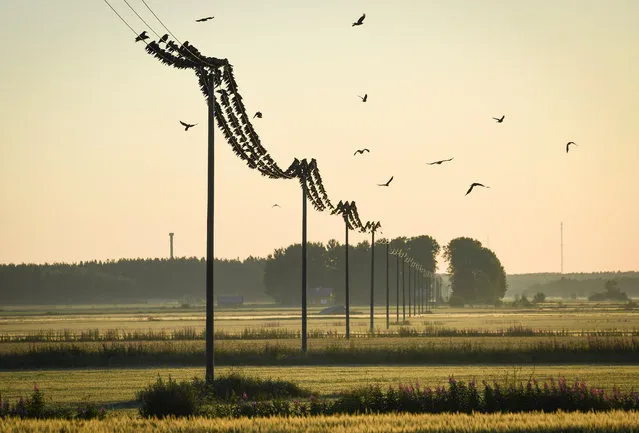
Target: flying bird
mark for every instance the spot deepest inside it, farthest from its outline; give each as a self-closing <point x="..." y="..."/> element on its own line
<point x="440" y="161"/>
<point x="360" y="21"/>
<point x="568" y="145"/>
<point x="258" y="114"/>
<point x="163" y="38"/>
<point x="201" y="20"/>
<point x="363" y="98"/>
<point x="276" y="205"/>
<point x="473" y="185"/>
<point x="361" y="151"/>
<point x="387" y="183"/>
<point x="142" y="36"/>
<point x="187" y="125"/>
<point x="500" y="119"/>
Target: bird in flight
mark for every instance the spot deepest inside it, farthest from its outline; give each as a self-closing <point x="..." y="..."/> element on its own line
<point x="473" y="185"/>
<point x="142" y="36"/>
<point x="361" y="151"/>
<point x="360" y="21"/>
<point x="363" y="98"/>
<point x="187" y="125"/>
<point x="276" y="205"/>
<point x="568" y="145"/>
<point x="440" y="161"/>
<point x="387" y="183"/>
<point x="258" y="114"/>
<point x="500" y="119"/>
<point x="163" y="38"/>
<point x="201" y="20"/>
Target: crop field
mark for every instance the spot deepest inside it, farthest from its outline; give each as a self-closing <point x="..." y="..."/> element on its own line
<point x="610" y="422"/>
<point x="130" y="346"/>
<point x="577" y="317"/>
<point x="113" y="386"/>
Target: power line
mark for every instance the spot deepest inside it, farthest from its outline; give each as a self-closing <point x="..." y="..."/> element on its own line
<point x="161" y="23"/>
<point x="174" y="37"/>
<point x="141" y="19"/>
<point x="120" y="16"/>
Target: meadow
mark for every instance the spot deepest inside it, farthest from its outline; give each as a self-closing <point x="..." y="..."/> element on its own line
<point x="105" y="354"/>
<point x="117" y="387"/>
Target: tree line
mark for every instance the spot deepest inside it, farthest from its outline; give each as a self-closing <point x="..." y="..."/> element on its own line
<point x="128" y="280"/>
<point x="476" y="275"/>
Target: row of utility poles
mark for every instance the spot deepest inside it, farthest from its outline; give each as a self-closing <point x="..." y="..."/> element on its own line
<point x="207" y="70"/>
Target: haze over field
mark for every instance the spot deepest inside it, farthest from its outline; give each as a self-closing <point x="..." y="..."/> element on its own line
<point x="94" y="163"/>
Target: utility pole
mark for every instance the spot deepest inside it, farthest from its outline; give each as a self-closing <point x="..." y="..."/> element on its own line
<point x="372" y="327"/>
<point x="171" y="245"/>
<point x="397" y="287"/>
<point x="304" y="315"/>
<point x="210" y="237"/>
<point x="347" y="302"/>
<point x="387" y="289"/>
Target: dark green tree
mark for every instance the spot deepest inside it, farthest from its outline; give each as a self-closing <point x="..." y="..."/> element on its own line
<point x="476" y="274"/>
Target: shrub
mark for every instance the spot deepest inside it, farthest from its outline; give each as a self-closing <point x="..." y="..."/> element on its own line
<point x="162" y="399"/>
<point x="456" y="301"/>
<point x="234" y="385"/>
<point x="539" y="298"/>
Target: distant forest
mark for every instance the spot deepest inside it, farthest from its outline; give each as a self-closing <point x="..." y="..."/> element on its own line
<point x="259" y="279"/>
<point x="275" y="278"/>
<point x="129" y="280"/>
<point x="580" y="285"/>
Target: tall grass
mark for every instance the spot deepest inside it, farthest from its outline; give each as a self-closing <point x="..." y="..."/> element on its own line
<point x="272" y="332"/>
<point x="434" y="351"/>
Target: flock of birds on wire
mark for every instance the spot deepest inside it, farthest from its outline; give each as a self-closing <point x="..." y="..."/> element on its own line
<point x="187" y="57"/>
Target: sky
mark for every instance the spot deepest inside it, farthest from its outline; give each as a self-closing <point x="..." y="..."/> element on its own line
<point x="94" y="164"/>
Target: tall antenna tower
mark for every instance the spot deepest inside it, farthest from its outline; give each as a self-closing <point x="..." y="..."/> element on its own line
<point x="561" y="241"/>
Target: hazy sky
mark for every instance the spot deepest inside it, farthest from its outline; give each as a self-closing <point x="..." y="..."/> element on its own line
<point x="94" y="165"/>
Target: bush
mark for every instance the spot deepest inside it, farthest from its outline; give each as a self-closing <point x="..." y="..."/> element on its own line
<point x="162" y="399"/>
<point x="539" y="298"/>
<point x="456" y="301"/>
<point x="236" y="385"/>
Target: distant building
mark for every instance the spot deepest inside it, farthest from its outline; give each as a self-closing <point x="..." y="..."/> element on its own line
<point x="230" y="301"/>
<point x="320" y="296"/>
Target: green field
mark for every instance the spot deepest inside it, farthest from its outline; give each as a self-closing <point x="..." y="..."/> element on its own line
<point x="111" y="386"/>
<point x="556" y="317"/>
<point x="570" y="336"/>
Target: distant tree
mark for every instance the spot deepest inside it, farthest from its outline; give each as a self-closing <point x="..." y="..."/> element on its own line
<point x="612" y="293"/>
<point x="476" y="274"/>
<point x="539" y="298"/>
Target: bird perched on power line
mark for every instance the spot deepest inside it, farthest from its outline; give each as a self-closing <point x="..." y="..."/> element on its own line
<point x="142" y="36"/>
<point x="473" y="185"/>
<point x="568" y="145"/>
<point x="440" y="161"/>
<point x="500" y="119"/>
<point x="387" y="183"/>
<point x="360" y="21"/>
<point x="187" y="125"/>
<point x="363" y="98"/>
<point x="163" y="38"/>
<point x="201" y="20"/>
<point x="361" y="151"/>
<point x="258" y="114"/>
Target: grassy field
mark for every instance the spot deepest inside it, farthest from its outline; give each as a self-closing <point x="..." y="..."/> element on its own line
<point x="118" y="386"/>
<point x="428" y="360"/>
<point x="569" y="317"/>
<point x="611" y="422"/>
